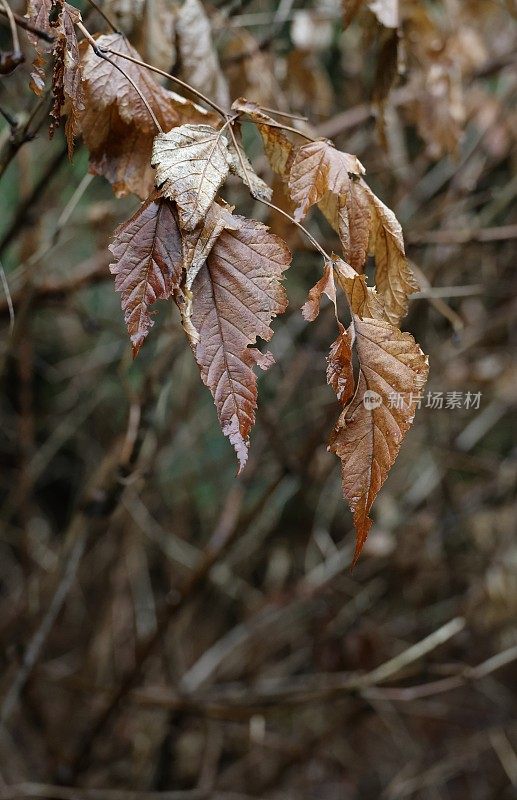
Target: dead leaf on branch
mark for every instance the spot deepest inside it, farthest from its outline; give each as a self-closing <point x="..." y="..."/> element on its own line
<point x="393" y="276"/>
<point x="236" y="294"/>
<point x="240" y="165"/>
<point x="321" y="174"/>
<point x="192" y="162"/>
<point x="198" y="243"/>
<point x="118" y="135"/>
<point x="67" y="88"/>
<point x="277" y="146"/>
<point x="371" y="427"/>
<point x="148" y="265"/>
<point x="38" y="13"/>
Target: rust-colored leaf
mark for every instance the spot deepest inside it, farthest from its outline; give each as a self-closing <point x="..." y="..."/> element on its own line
<point x="340" y="371"/>
<point x="393" y="276"/>
<point x="148" y="265"/>
<point x="198" y="243"/>
<point x="235" y="296"/>
<point x="38" y="13"/>
<point x="321" y="174"/>
<point x="371" y="427"/>
<point x="277" y="146"/>
<point x="116" y="127"/>
<point x="325" y="285"/>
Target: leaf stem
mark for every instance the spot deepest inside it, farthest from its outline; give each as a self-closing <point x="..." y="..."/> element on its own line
<point x="101" y="53"/>
<point x="275" y="124"/>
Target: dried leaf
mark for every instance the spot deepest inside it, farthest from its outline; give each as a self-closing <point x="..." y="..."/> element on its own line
<point x="393" y="276"/>
<point x="370" y="430"/>
<point x="198" y="243"/>
<point x="192" y="162"/>
<point x="118" y="135"/>
<point x="240" y="165"/>
<point x="340" y="371"/>
<point x="325" y="285"/>
<point x="148" y="265"/>
<point x="198" y="57"/>
<point x="277" y="146"/>
<point x="38" y="13"/>
<point x="321" y="174"/>
<point x="318" y="168"/>
<point x="235" y="296"/>
<point x="67" y="85"/>
<point x="108" y="86"/>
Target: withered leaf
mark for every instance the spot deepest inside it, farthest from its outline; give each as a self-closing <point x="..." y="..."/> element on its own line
<point x="393" y="276"/>
<point x="192" y="162"/>
<point x="321" y="174"/>
<point x="38" y="13"/>
<point x="148" y="265"/>
<point x="371" y="427"/>
<point x="340" y="371"/>
<point x="198" y="243"/>
<point x="235" y="296"/>
<point x="118" y="134"/>
<point x="67" y="85"/>
<point x="198" y="58"/>
<point x="325" y="285"/>
<point x="277" y="146"/>
<point x="240" y="165"/>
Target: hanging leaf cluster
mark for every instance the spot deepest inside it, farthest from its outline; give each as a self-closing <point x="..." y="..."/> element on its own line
<point x="224" y="272"/>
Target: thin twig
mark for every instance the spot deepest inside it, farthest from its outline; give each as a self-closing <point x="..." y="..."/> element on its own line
<point x="21" y="22"/>
<point x="12" y="23"/>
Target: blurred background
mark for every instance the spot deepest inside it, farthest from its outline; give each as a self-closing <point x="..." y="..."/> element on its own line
<point x="169" y="630"/>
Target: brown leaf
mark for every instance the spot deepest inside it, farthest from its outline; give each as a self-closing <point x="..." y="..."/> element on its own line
<point x="321" y="174"/>
<point x="199" y="61"/>
<point x="148" y="265"/>
<point x="369" y="432"/>
<point x="192" y="162"/>
<point x="198" y="243"/>
<point x="120" y="135"/>
<point x="393" y="276"/>
<point x="277" y="146"/>
<point x="235" y="296"/>
<point x="340" y="371"/>
<point x="325" y="285"/>
<point x="240" y="165"/>
<point x="38" y="12"/>
<point x="363" y="300"/>
<point x="67" y="85"/>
